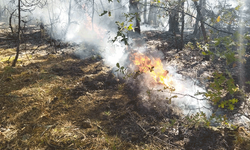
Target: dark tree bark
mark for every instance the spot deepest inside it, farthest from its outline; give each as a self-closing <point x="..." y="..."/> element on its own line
<point x="174" y="21"/>
<point x="10" y="21"/>
<point x="18" y="33"/>
<point x="182" y="25"/>
<point x="197" y="20"/>
<point x="133" y="8"/>
<point x="201" y="21"/>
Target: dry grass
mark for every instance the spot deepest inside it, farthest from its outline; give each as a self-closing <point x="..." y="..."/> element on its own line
<point x="41" y="109"/>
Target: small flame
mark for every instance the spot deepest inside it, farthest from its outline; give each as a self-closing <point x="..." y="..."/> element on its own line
<point x="153" y="67"/>
<point x="100" y="32"/>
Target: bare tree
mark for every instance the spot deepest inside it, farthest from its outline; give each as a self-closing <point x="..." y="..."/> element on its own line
<point x="18" y="34"/>
<point x="27" y="7"/>
<point x="10" y="22"/>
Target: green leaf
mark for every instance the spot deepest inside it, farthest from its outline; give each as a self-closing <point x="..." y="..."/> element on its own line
<point x="204" y="53"/>
<point x="237" y="8"/>
<point x="104" y="12"/>
<point x="248" y="82"/>
<point x="130" y="27"/>
<point x="117" y="65"/>
<point x="109" y="13"/>
<point x="131" y="19"/>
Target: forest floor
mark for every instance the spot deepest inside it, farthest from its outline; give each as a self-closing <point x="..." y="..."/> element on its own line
<point x="54" y="100"/>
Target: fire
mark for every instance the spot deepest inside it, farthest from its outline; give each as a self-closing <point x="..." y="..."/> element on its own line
<point x="153" y="67"/>
<point x="97" y="30"/>
<point x="100" y="32"/>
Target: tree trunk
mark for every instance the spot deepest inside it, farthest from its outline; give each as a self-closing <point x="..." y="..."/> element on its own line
<point x="93" y="13"/>
<point x="133" y="8"/>
<point x="102" y="5"/>
<point x="182" y="25"/>
<point x="150" y="14"/>
<point x="51" y="19"/>
<point x="145" y="12"/>
<point x="201" y="21"/>
<point x="18" y="33"/>
<point x="10" y="22"/>
<point x="174" y="20"/>
<point x="201" y="2"/>
<point x="155" y="16"/>
<point x="69" y="20"/>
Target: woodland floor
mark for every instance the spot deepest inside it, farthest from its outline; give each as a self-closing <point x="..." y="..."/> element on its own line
<point x="54" y="100"/>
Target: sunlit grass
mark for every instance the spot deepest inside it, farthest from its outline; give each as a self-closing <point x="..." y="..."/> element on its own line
<point x="35" y="102"/>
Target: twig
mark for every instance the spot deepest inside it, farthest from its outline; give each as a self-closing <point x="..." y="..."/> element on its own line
<point x="203" y="99"/>
<point x="48" y="127"/>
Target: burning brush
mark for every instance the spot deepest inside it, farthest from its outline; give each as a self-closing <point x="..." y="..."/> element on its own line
<point x="153" y="67"/>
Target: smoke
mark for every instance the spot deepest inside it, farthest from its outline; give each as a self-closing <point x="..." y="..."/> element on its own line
<point x="185" y="95"/>
<point x="79" y="29"/>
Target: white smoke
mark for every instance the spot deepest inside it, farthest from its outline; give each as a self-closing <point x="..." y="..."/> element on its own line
<point x="55" y="17"/>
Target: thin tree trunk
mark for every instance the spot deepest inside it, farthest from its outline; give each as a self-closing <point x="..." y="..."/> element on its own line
<point x="145" y="11"/>
<point x="150" y="14"/>
<point x="10" y="22"/>
<point x="93" y="13"/>
<point x="18" y="33"/>
<point x="174" y="20"/>
<point x="102" y="5"/>
<point x="196" y="25"/>
<point x="69" y="19"/>
<point x="133" y="8"/>
<point x="182" y="25"/>
<point x="51" y="19"/>
<point x="200" y="19"/>
<point x="155" y="16"/>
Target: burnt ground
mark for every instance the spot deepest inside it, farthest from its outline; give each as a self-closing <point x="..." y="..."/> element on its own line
<point x="54" y="100"/>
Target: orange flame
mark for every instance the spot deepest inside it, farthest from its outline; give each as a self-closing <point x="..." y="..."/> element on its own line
<point x="100" y="32"/>
<point x="153" y="67"/>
